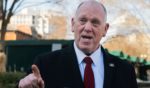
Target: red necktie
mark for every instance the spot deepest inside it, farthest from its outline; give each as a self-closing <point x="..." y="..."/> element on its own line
<point x="88" y="74"/>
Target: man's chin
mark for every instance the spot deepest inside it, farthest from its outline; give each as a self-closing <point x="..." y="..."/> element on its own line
<point x="86" y="50"/>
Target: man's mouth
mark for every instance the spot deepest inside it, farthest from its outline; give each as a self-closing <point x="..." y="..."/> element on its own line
<point x="86" y="37"/>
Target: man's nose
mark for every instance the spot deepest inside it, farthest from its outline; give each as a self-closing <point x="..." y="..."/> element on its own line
<point x="88" y="27"/>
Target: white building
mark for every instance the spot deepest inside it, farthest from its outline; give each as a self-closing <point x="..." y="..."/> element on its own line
<point x="42" y="24"/>
<point x="22" y="19"/>
<point x="37" y="18"/>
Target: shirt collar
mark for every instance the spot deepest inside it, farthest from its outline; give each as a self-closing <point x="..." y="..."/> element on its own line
<point x="80" y="55"/>
<point x="96" y="56"/>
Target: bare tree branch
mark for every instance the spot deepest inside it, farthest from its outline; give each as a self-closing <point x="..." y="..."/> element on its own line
<point x="58" y="2"/>
<point x="28" y="5"/>
<point x="19" y="4"/>
<point x="5" y="4"/>
<point x="35" y="4"/>
<point x="10" y="13"/>
<point x="4" y="10"/>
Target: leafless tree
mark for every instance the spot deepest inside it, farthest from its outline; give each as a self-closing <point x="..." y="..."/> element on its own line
<point x="10" y="7"/>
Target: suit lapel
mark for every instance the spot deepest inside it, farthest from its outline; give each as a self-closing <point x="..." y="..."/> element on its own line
<point x="72" y="68"/>
<point x="109" y="70"/>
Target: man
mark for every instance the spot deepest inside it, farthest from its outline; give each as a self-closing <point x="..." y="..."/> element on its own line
<point x="85" y="64"/>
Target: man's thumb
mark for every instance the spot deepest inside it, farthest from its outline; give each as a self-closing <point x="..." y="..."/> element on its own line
<point x="41" y="83"/>
<point x="36" y="71"/>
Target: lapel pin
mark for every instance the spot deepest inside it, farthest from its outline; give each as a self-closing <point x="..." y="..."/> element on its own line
<point x="111" y="65"/>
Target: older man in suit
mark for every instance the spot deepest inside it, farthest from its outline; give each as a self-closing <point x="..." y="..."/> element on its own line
<point x="85" y="64"/>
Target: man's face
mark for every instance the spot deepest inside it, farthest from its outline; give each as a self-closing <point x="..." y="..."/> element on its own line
<point x="89" y="27"/>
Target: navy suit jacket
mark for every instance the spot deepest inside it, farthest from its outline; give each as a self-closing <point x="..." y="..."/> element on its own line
<point x="59" y="69"/>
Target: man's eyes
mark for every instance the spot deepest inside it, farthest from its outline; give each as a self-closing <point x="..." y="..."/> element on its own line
<point x="94" y="22"/>
<point x="83" y="20"/>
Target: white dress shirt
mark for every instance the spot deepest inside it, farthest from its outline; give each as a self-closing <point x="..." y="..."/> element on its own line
<point x="97" y="65"/>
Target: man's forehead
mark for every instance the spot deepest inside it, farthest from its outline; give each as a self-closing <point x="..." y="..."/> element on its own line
<point x="93" y="6"/>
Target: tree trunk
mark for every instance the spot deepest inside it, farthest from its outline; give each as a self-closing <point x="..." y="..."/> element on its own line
<point x="5" y="22"/>
<point x="3" y="30"/>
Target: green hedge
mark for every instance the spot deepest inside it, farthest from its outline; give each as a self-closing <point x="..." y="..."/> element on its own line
<point x="9" y="79"/>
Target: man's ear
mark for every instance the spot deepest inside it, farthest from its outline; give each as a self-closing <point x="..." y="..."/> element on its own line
<point x="106" y="29"/>
<point x="72" y="24"/>
<point x="107" y="26"/>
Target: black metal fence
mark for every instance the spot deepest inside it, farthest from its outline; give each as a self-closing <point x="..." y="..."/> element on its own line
<point x="21" y="54"/>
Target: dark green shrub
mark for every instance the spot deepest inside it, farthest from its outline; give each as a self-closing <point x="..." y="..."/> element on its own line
<point x="9" y="79"/>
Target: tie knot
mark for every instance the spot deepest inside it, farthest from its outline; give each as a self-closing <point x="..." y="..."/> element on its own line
<point x="88" y="60"/>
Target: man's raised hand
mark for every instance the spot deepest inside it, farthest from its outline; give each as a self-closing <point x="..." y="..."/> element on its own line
<point x="33" y="80"/>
